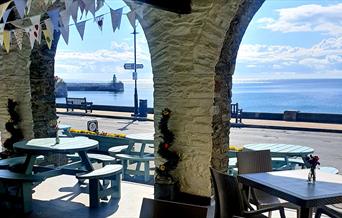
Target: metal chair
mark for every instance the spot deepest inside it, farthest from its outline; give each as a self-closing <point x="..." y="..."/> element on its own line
<point x="334" y="211"/>
<point x="153" y="208"/>
<point x="256" y="162"/>
<point x="231" y="202"/>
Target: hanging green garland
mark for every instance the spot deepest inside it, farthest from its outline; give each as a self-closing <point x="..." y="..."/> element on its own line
<point x="172" y="158"/>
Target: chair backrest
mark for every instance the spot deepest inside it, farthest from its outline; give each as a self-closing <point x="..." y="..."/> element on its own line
<point x="254" y="161"/>
<point x="228" y="195"/>
<point x="153" y="208"/>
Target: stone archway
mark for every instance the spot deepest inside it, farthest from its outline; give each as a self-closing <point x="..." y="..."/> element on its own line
<point x="193" y="59"/>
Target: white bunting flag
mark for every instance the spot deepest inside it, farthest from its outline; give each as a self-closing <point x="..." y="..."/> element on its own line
<point x="36" y="31"/>
<point x="65" y="33"/>
<point x="6" y="14"/>
<point x="99" y="21"/>
<point x="131" y="17"/>
<point x="80" y="28"/>
<point x="28" y="30"/>
<point x="65" y="17"/>
<point x="49" y="26"/>
<point x="18" y="34"/>
<point x="3" y="8"/>
<point x="28" y="6"/>
<point x="48" y="38"/>
<point x="54" y="16"/>
<point x="116" y="18"/>
<point x="2" y="27"/>
<point x="74" y="10"/>
<point x="7" y="40"/>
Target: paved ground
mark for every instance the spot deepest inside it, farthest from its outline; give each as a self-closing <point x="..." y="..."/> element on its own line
<point x="327" y="145"/>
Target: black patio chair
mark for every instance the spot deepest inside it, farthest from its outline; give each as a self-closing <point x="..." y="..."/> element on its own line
<point x="233" y="203"/>
<point x="333" y="211"/>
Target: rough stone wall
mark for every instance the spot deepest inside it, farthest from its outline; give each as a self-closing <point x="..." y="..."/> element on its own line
<point x="15" y="84"/>
<point x="42" y="87"/>
<point x="184" y="52"/>
<point x="223" y="80"/>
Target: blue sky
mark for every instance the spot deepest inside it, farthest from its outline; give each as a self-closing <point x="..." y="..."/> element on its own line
<point x="287" y="39"/>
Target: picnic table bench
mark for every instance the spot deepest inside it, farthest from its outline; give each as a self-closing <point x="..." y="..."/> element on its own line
<point x="78" y="103"/>
<point x="236" y="112"/>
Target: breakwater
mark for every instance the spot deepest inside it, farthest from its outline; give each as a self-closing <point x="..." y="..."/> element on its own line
<point x="287" y="115"/>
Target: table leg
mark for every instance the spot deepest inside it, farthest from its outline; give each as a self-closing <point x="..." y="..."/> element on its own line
<point x="28" y="165"/>
<point x="85" y="160"/>
<point x="305" y="212"/>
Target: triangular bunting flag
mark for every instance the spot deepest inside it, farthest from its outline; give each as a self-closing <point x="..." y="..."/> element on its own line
<point x="65" y="17"/>
<point x="49" y="26"/>
<point x="54" y="15"/>
<point x="90" y="6"/>
<point x="28" y="6"/>
<point x="28" y="30"/>
<point x="18" y="34"/>
<point x="6" y="14"/>
<point x="74" y="10"/>
<point x="37" y="29"/>
<point x="65" y="33"/>
<point x="48" y="38"/>
<point x="2" y="27"/>
<point x="80" y="28"/>
<point x="3" y="8"/>
<point x="131" y="17"/>
<point x="20" y="5"/>
<point x="7" y="40"/>
<point x="82" y="7"/>
<point x="99" y="4"/>
<point x="116" y="18"/>
<point x="99" y="21"/>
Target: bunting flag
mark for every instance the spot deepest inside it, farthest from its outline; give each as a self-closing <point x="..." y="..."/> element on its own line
<point x="3" y="8"/>
<point x="80" y="28"/>
<point x="65" y="17"/>
<point x="36" y="31"/>
<point x="54" y="16"/>
<point x="19" y="34"/>
<point x="29" y="30"/>
<point x="20" y="5"/>
<point x="6" y="14"/>
<point x="90" y="6"/>
<point x="65" y="33"/>
<point x="48" y="38"/>
<point x="116" y="18"/>
<point x="68" y="4"/>
<point x="49" y="26"/>
<point x="131" y="18"/>
<point x="74" y="10"/>
<point x="7" y="40"/>
<point x="28" y="6"/>
<point x="99" y="21"/>
<point x="99" y="4"/>
<point x="140" y="11"/>
<point x="2" y="27"/>
<point x="82" y="7"/>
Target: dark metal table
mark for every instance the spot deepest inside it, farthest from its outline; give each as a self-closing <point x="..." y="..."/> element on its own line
<point x="292" y="186"/>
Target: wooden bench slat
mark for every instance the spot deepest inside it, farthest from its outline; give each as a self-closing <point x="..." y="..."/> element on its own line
<point x="101" y="157"/>
<point x="117" y="149"/>
<point x="105" y="171"/>
<point x="135" y="157"/>
<point x="12" y="161"/>
<point x="6" y="175"/>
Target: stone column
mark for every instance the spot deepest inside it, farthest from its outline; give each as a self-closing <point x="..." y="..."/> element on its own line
<point x="190" y="79"/>
<point x="15" y="84"/>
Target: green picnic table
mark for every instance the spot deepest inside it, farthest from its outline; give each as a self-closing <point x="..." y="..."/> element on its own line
<point x="285" y="151"/>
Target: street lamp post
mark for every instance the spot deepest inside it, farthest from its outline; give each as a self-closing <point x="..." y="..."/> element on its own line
<point x="135" y="74"/>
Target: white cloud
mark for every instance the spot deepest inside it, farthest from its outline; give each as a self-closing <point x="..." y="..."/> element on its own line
<point x="306" y="18"/>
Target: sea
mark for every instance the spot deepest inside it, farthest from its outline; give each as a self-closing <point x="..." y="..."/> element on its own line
<point x="275" y="96"/>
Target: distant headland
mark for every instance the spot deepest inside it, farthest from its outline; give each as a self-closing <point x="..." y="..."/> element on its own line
<point x="62" y="88"/>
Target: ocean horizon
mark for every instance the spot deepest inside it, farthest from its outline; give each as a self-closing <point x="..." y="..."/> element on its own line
<point x="275" y="96"/>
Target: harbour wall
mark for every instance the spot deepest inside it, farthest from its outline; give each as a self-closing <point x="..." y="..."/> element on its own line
<point x="286" y="115"/>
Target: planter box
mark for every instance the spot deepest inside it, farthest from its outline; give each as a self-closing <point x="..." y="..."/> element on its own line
<point x="105" y="142"/>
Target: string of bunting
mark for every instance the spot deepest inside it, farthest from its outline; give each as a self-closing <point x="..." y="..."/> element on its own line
<point x="58" y="19"/>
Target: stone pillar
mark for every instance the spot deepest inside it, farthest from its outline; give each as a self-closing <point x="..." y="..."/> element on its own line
<point x="15" y="84"/>
<point x="190" y="79"/>
<point x="42" y="87"/>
